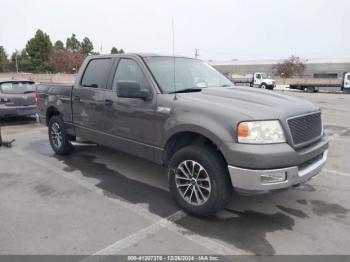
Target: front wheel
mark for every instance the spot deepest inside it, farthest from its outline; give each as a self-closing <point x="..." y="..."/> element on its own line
<point x="263" y="86"/>
<point x="58" y="136"/>
<point x="199" y="180"/>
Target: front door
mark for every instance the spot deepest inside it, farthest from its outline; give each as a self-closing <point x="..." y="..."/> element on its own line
<point x="132" y="120"/>
<point x="88" y="99"/>
<point x="257" y="79"/>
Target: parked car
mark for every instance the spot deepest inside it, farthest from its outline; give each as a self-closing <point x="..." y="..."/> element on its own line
<point x="181" y="113"/>
<point x="17" y="98"/>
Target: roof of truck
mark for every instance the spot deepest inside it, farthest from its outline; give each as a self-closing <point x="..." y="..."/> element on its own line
<point x="143" y="55"/>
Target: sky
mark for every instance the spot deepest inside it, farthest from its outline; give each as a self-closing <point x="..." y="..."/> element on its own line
<point x="220" y="29"/>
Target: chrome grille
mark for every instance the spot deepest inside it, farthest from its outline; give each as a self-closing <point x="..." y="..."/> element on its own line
<point x="305" y="129"/>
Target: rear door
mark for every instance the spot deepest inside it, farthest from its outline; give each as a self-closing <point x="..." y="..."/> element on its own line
<point x="88" y="98"/>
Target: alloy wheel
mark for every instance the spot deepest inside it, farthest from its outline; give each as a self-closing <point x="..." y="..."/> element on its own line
<point x="193" y="182"/>
<point x="56" y="135"/>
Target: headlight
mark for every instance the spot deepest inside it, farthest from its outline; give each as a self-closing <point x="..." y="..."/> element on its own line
<point x="260" y="132"/>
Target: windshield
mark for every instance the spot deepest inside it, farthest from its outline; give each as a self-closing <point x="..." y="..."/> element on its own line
<point x="17" y="87"/>
<point x="263" y="76"/>
<point x="189" y="74"/>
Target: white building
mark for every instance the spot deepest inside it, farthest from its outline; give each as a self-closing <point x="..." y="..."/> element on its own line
<point x="325" y="68"/>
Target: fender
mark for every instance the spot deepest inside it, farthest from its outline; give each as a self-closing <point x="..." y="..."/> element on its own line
<point x="202" y="125"/>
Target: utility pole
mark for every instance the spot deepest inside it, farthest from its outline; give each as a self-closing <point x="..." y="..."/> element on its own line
<point x="196" y="53"/>
<point x="16" y="62"/>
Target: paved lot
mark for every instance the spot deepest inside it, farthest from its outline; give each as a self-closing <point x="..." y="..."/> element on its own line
<point x="101" y="201"/>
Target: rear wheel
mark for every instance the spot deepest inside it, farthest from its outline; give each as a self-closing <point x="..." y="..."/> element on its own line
<point x="309" y="89"/>
<point x="199" y="180"/>
<point x="59" y="139"/>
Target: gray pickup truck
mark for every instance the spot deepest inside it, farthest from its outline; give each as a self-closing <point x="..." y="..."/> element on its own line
<point x="181" y="113"/>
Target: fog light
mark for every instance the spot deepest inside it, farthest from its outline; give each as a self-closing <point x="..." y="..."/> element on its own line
<point x="273" y="178"/>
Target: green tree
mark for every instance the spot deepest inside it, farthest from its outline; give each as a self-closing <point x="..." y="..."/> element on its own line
<point x="23" y="61"/>
<point x="73" y="44"/>
<point x="59" y="44"/>
<point x="86" y="46"/>
<point x="115" y="50"/>
<point x="38" y="49"/>
<point x="4" y="62"/>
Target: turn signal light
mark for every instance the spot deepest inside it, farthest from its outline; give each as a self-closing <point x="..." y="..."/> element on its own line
<point x="36" y="98"/>
<point x="243" y="130"/>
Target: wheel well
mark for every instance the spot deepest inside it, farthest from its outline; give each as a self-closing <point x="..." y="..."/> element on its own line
<point x="51" y="111"/>
<point x="180" y="140"/>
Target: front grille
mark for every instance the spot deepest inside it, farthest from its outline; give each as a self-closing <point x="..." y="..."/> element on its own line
<point x="305" y="129"/>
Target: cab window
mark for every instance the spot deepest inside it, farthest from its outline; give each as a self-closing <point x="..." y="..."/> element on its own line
<point x="96" y="72"/>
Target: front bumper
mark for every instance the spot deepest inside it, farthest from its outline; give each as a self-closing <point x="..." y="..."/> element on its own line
<point x="249" y="180"/>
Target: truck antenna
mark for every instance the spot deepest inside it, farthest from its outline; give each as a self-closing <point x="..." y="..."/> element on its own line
<point x="173" y="38"/>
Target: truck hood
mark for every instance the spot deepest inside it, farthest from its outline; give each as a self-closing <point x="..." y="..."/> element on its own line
<point x="251" y="103"/>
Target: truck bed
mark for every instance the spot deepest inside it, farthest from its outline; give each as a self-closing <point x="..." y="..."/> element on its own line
<point x="58" y="95"/>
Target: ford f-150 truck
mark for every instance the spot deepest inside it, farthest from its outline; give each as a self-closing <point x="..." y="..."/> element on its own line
<point x="181" y="113"/>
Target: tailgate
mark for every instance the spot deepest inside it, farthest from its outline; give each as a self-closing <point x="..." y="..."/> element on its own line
<point x="21" y="99"/>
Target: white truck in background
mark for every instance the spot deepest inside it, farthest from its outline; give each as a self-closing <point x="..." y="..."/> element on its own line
<point x="256" y="79"/>
<point x="312" y="85"/>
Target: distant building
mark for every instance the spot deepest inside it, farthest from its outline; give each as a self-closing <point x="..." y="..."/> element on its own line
<point x="325" y="68"/>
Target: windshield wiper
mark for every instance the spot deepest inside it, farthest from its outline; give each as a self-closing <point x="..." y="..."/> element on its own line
<point x="187" y="90"/>
<point x="29" y="91"/>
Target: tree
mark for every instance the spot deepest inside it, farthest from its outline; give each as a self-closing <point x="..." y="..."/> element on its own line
<point x="73" y="44"/>
<point x="4" y="62"/>
<point x="290" y="67"/>
<point x="115" y="50"/>
<point x="86" y="46"/>
<point x="23" y="61"/>
<point x="65" y="61"/>
<point x="38" y="49"/>
<point x="59" y="44"/>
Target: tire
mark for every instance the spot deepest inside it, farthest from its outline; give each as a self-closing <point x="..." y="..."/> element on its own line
<point x="309" y="89"/>
<point x="213" y="176"/>
<point x="58" y="136"/>
<point x="263" y="86"/>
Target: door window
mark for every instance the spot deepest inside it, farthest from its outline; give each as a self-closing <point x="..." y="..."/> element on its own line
<point x="258" y="76"/>
<point x="129" y="70"/>
<point x="96" y="72"/>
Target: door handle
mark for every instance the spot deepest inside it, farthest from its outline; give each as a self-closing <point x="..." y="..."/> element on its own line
<point x="108" y="102"/>
<point x="76" y="98"/>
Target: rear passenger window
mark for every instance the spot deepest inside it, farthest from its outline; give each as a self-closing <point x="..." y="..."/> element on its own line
<point x="95" y="72"/>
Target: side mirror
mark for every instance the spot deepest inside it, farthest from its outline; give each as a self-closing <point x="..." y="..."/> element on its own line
<point x="131" y="89"/>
